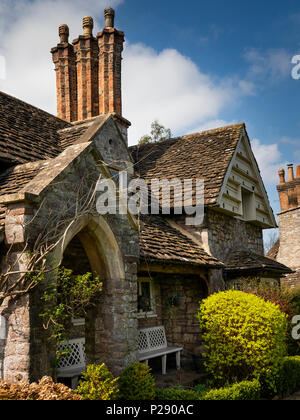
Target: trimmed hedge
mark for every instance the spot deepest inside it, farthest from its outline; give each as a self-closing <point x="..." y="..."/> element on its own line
<point x="175" y="394"/>
<point x="289" y="376"/>
<point x="243" y="391"/>
<point x="247" y="391"/>
<point x="245" y="337"/>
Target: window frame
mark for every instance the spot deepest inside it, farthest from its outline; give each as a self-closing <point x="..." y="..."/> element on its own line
<point x="152" y="313"/>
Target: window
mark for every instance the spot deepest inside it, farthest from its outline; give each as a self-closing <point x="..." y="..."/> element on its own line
<point x="145" y="297"/>
<point x="249" y="206"/>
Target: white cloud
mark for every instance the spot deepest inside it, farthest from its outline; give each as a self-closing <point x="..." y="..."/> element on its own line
<point x="269" y="160"/>
<point x="28" y="30"/>
<point x="169" y="87"/>
<point x="290" y="140"/>
<point x="272" y="64"/>
<point x="162" y="85"/>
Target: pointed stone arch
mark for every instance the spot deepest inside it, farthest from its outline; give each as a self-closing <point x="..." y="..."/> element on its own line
<point x="100" y="245"/>
<point x="111" y="329"/>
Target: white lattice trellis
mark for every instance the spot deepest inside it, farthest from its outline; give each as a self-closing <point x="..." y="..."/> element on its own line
<point x="75" y="358"/>
<point x="152" y="339"/>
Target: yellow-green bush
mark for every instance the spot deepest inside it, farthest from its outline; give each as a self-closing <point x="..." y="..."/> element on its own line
<point x="243" y="391"/>
<point x="244" y="337"/>
<point x="137" y="383"/>
<point x="98" y="383"/>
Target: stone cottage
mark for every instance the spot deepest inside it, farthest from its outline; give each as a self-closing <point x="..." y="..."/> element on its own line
<point x="155" y="269"/>
<point x="287" y="249"/>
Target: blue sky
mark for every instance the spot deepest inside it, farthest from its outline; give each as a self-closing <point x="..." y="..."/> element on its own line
<point x="192" y="65"/>
<point x="248" y="40"/>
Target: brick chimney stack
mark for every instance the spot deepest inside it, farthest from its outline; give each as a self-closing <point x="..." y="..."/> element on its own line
<point x="65" y="67"/>
<point x="86" y="51"/>
<point x="110" y="42"/>
<point x="289" y="191"/>
<point x="88" y="73"/>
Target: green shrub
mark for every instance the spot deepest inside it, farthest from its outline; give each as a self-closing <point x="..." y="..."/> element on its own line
<point x="243" y="391"/>
<point x="201" y="389"/>
<point x="98" y="384"/>
<point x="175" y="394"/>
<point x="244" y="336"/>
<point x="294" y="297"/>
<point x="289" y="376"/>
<point x="137" y="383"/>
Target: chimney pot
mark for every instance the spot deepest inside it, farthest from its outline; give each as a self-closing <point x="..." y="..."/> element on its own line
<point x="64" y="33"/>
<point x="109" y="15"/>
<point x="282" y="176"/>
<point x="88" y="25"/>
<point x="298" y="171"/>
<point x="291" y="172"/>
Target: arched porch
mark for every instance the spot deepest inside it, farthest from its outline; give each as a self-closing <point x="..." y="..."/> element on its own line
<point x="110" y="328"/>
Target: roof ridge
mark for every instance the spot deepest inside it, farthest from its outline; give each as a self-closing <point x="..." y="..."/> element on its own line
<point x="213" y="130"/>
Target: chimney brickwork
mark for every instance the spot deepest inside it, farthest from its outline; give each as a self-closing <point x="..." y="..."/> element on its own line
<point x="88" y="73"/>
<point x="86" y="51"/>
<point x="110" y="43"/>
<point x="289" y="191"/>
<point x="65" y="66"/>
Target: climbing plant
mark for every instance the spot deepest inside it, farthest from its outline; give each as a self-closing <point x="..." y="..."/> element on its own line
<point x="66" y="297"/>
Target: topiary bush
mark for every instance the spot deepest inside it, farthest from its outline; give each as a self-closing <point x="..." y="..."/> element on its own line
<point x="243" y="391"/>
<point x="98" y="383"/>
<point x="175" y="394"/>
<point x="137" y="383"/>
<point x="244" y="336"/>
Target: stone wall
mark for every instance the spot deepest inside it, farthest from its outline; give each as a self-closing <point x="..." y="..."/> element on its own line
<point x="182" y="327"/>
<point x="289" y="229"/>
<point x="15" y="349"/>
<point x="291" y="280"/>
<point x="112" y="247"/>
<point x="221" y="232"/>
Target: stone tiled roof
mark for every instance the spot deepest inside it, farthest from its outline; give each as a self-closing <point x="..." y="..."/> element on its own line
<point x="27" y="133"/>
<point x="274" y="251"/>
<point x="245" y="260"/>
<point x="205" y="155"/>
<point x="162" y="243"/>
<point x="71" y="135"/>
<point x="12" y="180"/>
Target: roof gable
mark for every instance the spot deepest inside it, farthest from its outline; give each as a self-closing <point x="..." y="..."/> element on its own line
<point x="223" y="158"/>
<point x="243" y="193"/>
<point x="205" y="155"/>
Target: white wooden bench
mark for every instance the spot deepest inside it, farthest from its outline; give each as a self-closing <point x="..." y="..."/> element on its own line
<point x="74" y="362"/>
<point x="152" y="343"/>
